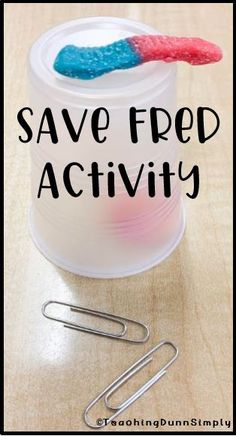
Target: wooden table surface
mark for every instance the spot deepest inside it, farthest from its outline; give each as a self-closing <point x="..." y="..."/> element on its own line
<point x="52" y="373"/>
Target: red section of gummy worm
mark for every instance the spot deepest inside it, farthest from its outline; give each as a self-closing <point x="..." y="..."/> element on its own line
<point x="195" y="51"/>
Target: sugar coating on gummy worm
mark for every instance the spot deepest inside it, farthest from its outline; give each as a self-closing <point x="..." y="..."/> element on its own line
<point x="90" y="62"/>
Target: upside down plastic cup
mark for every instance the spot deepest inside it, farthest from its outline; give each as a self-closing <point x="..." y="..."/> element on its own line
<point x="106" y="236"/>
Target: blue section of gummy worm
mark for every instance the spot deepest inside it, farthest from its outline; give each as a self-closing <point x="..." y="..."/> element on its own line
<point x="89" y="62"/>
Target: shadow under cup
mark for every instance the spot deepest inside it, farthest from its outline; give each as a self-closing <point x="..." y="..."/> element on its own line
<point x="102" y="237"/>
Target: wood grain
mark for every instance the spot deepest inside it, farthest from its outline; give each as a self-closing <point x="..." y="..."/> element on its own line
<point x="52" y="373"/>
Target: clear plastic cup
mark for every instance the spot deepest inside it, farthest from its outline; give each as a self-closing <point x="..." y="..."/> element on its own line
<point x="102" y="237"/>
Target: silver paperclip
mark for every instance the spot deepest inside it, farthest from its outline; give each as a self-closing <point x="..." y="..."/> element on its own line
<point x="137" y="366"/>
<point x="114" y="318"/>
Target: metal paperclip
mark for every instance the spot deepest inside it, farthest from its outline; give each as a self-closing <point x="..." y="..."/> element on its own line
<point x="114" y="318"/>
<point x="137" y="366"/>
